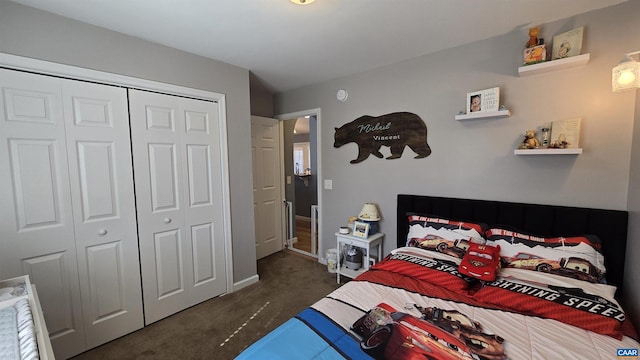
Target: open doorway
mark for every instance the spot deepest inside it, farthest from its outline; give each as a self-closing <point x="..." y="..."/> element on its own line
<point x="301" y="177"/>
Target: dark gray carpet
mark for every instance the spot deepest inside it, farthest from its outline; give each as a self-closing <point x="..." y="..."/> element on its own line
<point x="221" y="328"/>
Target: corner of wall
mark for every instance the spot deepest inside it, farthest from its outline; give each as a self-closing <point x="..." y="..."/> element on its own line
<point x="631" y="297"/>
<point x="246" y="282"/>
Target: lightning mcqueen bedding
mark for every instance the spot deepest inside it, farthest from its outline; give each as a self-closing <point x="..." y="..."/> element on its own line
<point x="415" y="304"/>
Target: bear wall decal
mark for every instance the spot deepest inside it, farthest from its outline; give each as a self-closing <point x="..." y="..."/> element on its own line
<point x="395" y="130"/>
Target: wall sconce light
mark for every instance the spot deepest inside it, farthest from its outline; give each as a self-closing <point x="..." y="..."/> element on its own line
<point x="302" y="2"/>
<point x="626" y="75"/>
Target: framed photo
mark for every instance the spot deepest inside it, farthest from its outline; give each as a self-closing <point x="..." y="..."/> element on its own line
<point x="567" y="44"/>
<point x="565" y="134"/>
<point x="483" y="100"/>
<point x="361" y="229"/>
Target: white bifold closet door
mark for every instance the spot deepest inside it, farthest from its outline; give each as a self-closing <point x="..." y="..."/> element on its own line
<point x="67" y="217"/>
<point x="179" y="188"/>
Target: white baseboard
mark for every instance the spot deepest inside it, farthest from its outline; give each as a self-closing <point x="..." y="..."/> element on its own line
<point x="246" y="282"/>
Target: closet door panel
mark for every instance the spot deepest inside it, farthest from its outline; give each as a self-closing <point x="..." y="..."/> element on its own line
<point x="180" y="212"/>
<point x="105" y="265"/>
<point x="163" y="176"/>
<point x="27" y="105"/>
<point x="36" y="219"/>
<point x="34" y="162"/>
<point x="204" y="211"/>
<point x="198" y="159"/>
<point x="202" y="240"/>
<point x="49" y="271"/>
<point x="168" y="256"/>
<point x="101" y="178"/>
<point x="203" y="253"/>
<point x="98" y="185"/>
<point x="158" y="170"/>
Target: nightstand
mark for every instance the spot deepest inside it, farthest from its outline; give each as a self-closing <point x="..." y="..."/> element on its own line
<point x="366" y="244"/>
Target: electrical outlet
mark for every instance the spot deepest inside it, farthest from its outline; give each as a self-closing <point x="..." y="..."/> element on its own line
<point x="328" y="184"/>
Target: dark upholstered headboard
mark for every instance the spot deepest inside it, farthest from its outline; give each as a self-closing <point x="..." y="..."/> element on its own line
<point x="543" y="220"/>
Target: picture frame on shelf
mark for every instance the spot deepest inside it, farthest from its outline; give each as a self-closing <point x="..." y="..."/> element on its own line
<point x="361" y="229"/>
<point x="483" y="100"/>
<point x="567" y="44"/>
<point x="565" y="134"/>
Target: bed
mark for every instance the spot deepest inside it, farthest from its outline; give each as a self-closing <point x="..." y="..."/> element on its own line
<point x="552" y="297"/>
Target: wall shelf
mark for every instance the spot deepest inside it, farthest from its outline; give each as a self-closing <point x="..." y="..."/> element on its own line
<point x="553" y="65"/>
<point x="484" y="115"/>
<point x="548" y="152"/>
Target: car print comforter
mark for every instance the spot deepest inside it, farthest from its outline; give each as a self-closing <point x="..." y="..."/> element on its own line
<point x="414" y="304"/>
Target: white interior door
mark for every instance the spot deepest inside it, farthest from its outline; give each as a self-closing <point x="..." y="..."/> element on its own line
<point x="37" y="219"/>
<point x="267" y="187"/>
<point x="101" y="178"/>
<point x="178" y="179"/>
<point x="68" y="217"/>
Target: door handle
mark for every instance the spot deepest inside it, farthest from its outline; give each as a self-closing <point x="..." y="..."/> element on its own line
<point x="167" y="220"/>
<point x="102" y="232"/>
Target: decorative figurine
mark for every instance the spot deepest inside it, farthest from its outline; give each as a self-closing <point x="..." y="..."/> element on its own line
<point x="546" y="129"/>
<point x="561" y="143"/>
<point x="535" y="51"/>
<point x="533" y="38"/>
<point x="530" y="141"/>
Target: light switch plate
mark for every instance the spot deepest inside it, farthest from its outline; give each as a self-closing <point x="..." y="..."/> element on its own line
<point x="328" y="184"/>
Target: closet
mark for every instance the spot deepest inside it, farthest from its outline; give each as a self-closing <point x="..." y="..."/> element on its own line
<point x="68" y="212"/>
<point x="177" y="167"/>
<point x="107" y="254"/>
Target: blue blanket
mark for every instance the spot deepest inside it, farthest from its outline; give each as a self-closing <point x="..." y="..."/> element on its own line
<point x="309" y="335"/>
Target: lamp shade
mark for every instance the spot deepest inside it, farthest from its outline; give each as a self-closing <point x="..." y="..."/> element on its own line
<point x="626" y="75"/>
<point x="369" y="212"/>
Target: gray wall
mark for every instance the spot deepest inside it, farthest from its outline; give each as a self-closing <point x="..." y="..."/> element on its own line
<point x="632" y="269"/>
<point x="36" y="34"/>
<point x="474" y="158"/>
<point x="261" y="97"/>
<point x="287" y="148"/>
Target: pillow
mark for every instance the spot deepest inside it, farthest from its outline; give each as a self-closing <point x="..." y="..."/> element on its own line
<point x="575" y="256"/>
<point x="603" y="290"/>
<point x="451" y="237"/>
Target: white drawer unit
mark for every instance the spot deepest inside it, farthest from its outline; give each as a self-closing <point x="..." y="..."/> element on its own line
<point x="366" y="244"/>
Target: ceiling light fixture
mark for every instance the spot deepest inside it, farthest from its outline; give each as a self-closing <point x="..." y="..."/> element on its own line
<point x="302" y="2"/>
<point x="626" y="75"/>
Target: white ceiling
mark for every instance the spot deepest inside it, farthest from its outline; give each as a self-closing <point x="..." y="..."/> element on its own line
<point x="287" y="46"/>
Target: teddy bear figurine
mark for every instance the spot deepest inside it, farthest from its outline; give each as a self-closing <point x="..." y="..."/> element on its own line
<point x="534" y="40"/>
<point x="530" y="141"/>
